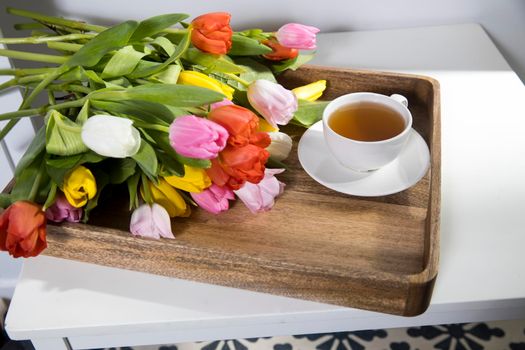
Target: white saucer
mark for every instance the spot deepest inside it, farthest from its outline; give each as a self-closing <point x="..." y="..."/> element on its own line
<point x="403" y="172"/>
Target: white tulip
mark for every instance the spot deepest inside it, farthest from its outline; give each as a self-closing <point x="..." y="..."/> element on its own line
<point x="111" y="136"/>
<point x="281" y="145"/>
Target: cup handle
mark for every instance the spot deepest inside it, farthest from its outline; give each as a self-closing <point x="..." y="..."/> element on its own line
<point x="400" y="98"/>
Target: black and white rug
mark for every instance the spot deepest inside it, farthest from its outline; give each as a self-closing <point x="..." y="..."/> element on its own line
<point x="500" y="335"/>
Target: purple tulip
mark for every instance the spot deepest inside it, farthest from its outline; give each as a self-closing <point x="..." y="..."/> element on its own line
<point x="61" y="210"/>
<point x="275" y="103"/>
<point x="151" y="221"/>
<point x="214" y="199"/>
<point x="297" y="36"/>
<point x="196" y="137"/>
<point x="261" y="197"/>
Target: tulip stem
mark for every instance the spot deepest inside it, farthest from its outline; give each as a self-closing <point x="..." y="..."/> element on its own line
<point x="45" y="39"/>
<point x="36" y="185"/>
<point x="157" y="127"/>
<point x="30" y="56"/>
<point x="237" y="79"/>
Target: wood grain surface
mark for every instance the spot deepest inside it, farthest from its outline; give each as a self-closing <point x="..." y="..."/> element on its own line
<point x="378" y="253"/>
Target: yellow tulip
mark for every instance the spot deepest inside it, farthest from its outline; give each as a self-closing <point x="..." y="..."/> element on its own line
<point x="310" y="92"/>
<point x="189" y="77"/>
<point x="79" y="186"/>
<point x="194" y="180"/>
<point x="167" y="196"/>
<point x="265" y="126"/>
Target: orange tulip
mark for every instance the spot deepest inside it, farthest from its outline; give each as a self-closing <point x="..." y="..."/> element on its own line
<point x="23" y="229"/>
<point x="212" y="33"/>
<point x="279" y="52"/>
<point x="243" y="164"/>
<point x="242" y="126"/>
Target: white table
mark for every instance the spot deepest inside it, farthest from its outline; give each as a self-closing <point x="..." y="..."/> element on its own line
<point x="58" y="303"/>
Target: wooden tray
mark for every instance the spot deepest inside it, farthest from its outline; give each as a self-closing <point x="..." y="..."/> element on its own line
<point x="373" y="253"/>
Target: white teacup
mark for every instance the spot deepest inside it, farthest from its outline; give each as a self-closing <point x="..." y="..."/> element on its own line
<point x="366" y="155"/>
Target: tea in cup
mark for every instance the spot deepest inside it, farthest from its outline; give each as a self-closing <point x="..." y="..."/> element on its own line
<point x="365" y="131"/>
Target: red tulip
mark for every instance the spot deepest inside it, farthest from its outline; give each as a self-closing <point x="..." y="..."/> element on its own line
<point x="23" y="229"/>
<point x="212" y="33"/>
<point x="279" y="52"/>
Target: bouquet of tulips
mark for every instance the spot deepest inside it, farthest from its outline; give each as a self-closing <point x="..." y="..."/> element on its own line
<point x="181" y="113"/>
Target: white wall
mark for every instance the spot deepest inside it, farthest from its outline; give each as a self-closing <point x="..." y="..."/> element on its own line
<point x="504" y="20"/>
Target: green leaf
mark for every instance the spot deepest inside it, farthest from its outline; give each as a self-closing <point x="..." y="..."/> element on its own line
<point x="142" y="111"/>
<point x="310" y="113"/>
<point x="193" y="162"/>
<point x="254" y="70"/>
<point x="165" y="44"/>
<point x="213" y="63"/>
<point x="169" y="75"/>
<point x="147" y="160"/>
<point x="144" y="71"/>
<point x="168" y="94"/>
<point x="292" y="64"/>
<point x="106" y="41"/>
<point x="121" y="169"/>
<point x="123" y="62"/>
<point x="34" y="150"/>
<point x="169" y="165"/>
<point x="154" y="25"/>
<point x="63" y="136"/>
<point x="102" y="181"/>
<point x="51" y="197"/>
<point x="25" y="181"/>
<point x="83" y="114"/>
<point x="5" y="200"/>
<point x="57" y="168"/>
<point x="133" y="183"/>
<point x="245" y="46"/>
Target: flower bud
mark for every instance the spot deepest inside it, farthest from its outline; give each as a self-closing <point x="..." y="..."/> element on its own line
<point x="281" y="145"/>
<point x="275" y="103"/>
<point x="151" y="221"/>
<point x="196" y="137"/>
<point x="79" y="186"/>
<point x="111" y="136"/>
<point x="297" y="36"/>
<point x="212" y="33"/>
<point x="214" y="199"/>
<point x="62" y="210"/>
<point x="261" y="197"/>
<point x="189" y="77"/>
<point x="310" y="92"/>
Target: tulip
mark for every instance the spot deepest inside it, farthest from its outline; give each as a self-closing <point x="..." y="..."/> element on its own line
<point x="214" y="199"/>
<point x="279" y="52"/>
<point x="151" y="221"/>
<point x="23" y="229"/>
<point x="194" y="180"/>
<point x="261" y="197"/>
<point x="189" y="77"/>
<point x="243" y="164"/>
<point x="265" y="126"/>
<point x="276" y="104"/>
<point x="111" y="136"/>
<point x="281" y="145"/>
<point x="196" y="137"/>
<point x="212" y="33"/>
<point x="169" y="198"/>
<point x="297" y="36"/>
<point x="310" y="92"/>
<point x="79" y="186"/>
<point x="62" y="210"/>
<point x="241" y="124"/>
<point x="217" y="174"/>
<point x="224" y="102"/>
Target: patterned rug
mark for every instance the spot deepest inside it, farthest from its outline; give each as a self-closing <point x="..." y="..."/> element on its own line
<point x="500" y="335"/>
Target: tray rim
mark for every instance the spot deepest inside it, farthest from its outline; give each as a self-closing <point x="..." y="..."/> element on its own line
<point x="413" y="283"/>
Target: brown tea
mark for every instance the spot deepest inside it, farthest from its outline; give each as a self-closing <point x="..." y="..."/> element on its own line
<point x="366" y="121"/>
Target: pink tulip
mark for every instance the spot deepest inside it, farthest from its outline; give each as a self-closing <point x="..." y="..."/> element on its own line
<point x="224" y="102"/>
<point x="261" y="197"/>
<point x="196" y="137"/>
<point x="275" y="103"/>
<point x="61" y="210"/>
<point x="214" y="199"/>
<point x="151" y="222"/>
<point x="297" y="36"/>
